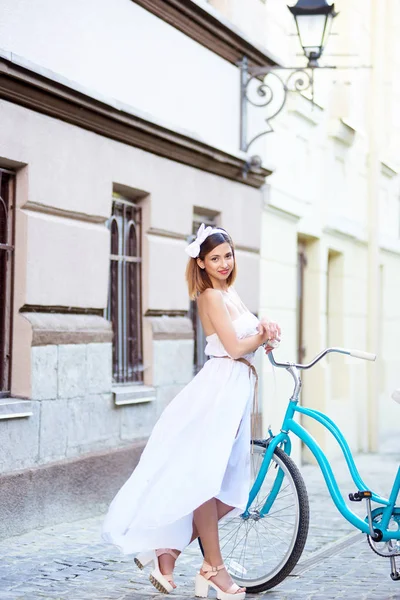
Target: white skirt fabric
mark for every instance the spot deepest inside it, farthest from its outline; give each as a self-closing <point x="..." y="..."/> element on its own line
<point x="199" y="449"/>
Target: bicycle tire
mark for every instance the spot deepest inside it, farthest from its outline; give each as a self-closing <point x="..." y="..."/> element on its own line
<point x="275" y="576"/>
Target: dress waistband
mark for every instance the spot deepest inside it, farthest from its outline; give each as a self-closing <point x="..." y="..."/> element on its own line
<point x="252" y="371"/>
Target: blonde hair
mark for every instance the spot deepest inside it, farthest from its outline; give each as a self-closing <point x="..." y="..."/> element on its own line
<point x="197" y="278"/>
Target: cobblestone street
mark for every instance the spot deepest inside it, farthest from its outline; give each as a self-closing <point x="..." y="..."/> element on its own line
<point x="69" y="561"/>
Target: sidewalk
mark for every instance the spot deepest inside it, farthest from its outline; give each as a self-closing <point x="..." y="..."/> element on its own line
<point x="69" y="561"/>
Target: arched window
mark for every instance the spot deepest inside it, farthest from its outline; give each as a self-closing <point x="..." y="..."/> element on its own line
<point x="6" y="276"/>
<point x="125" y="291"/>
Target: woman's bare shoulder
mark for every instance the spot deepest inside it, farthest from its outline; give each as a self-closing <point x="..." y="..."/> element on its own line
<point x="210" y="297"/>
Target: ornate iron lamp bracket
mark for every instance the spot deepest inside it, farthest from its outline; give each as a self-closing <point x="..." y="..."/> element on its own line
<point x="298" y="80"/>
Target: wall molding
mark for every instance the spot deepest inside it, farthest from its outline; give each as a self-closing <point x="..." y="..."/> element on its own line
<point x="173" y="235"/>
<point x="249" y="249"/>
<point x="62" y="213"/>
<point x="64" y="310"/>
<point x="205" y="26"/>
<point x="22" y="85"/>
<point x="166" y="313"/>
<point x="347" y="229"/>
<point x="171" y="328"/>
<point x="58" y="328"/>
<point x="388" y="169"/>
<point x="342" y="132"/>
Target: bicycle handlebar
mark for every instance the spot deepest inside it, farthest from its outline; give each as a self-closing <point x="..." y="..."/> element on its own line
<point x="355" y="353"/>
<point x="361" y="354"/>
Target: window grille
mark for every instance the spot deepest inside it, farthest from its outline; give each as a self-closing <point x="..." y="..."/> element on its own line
<point x="7" y="182"/>
<point x="125" y="291"/>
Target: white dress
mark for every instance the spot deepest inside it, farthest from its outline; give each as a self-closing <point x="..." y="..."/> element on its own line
<point x="199" y="449"/>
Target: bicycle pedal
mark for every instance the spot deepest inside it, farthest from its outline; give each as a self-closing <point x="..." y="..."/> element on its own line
<point x="360" y="495"/>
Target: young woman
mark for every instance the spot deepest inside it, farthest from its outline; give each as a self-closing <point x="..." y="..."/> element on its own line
<point x="195" y="467"/>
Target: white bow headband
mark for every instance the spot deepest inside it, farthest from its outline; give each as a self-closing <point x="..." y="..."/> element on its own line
<point x="202" y="234"/>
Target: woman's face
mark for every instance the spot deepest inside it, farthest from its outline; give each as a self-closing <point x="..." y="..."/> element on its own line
<point x="218" y="263"/>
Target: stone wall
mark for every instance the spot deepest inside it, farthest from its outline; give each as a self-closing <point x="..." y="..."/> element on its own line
<point x="75" y="407"/>
<point x="77" y="420"/>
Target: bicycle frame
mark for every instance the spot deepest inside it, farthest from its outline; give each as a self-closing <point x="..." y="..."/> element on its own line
<point x="283" y="440"/>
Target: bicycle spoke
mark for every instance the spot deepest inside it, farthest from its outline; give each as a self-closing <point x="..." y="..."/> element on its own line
<point x="235" y="531"/>
<point x="237" y="543"/>
<point x="259" y="544"/>
<point x="268" y="539"/>
<point x="279" y="519"/>
<point x="235" y="534"/>
<point x="279" y="510"/>
<point x="278" y="498"/>
<point x="245" y="545"/>
<point x="273" y="533"/>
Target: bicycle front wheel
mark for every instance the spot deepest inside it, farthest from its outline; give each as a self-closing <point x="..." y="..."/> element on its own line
<point x="260" y="551"/>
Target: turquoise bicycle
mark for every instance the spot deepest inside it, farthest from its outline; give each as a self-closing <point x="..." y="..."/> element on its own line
<point x="261" y="546"/>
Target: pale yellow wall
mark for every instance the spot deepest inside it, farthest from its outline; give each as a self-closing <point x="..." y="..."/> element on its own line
<point x="327" y="176"/>
<point x="338" y="384"/>
<point x="389" y="346"/>
<point x="278" y="302"/>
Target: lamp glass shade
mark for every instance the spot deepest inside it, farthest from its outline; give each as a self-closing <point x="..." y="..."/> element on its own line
<point x="313" y="33"/>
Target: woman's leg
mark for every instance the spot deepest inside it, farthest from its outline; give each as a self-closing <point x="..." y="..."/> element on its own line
<point x="206" y="522"/>
<point x="167" y="562"/>
<point x="222" y="510"/>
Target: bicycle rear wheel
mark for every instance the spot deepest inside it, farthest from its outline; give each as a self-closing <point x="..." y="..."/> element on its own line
<point x="260" y="551"/>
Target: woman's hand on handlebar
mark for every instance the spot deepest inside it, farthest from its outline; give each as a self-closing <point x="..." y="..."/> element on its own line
<point x="272" y="332"/>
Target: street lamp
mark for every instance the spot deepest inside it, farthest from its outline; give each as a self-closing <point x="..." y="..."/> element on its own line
<point x="314" y="22"/>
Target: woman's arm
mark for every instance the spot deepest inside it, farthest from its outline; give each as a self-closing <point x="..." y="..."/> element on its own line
<point x="214" y="306"/>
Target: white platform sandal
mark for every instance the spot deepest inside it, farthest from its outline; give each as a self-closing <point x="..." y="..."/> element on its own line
<point x="163" y="583"/>
<point x="145" y="558"/>
<point x="203" y="584"/>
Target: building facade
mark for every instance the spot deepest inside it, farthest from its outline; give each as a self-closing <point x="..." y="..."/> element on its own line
<point x="120" y="134"/>
<point x="330" y="250"/>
